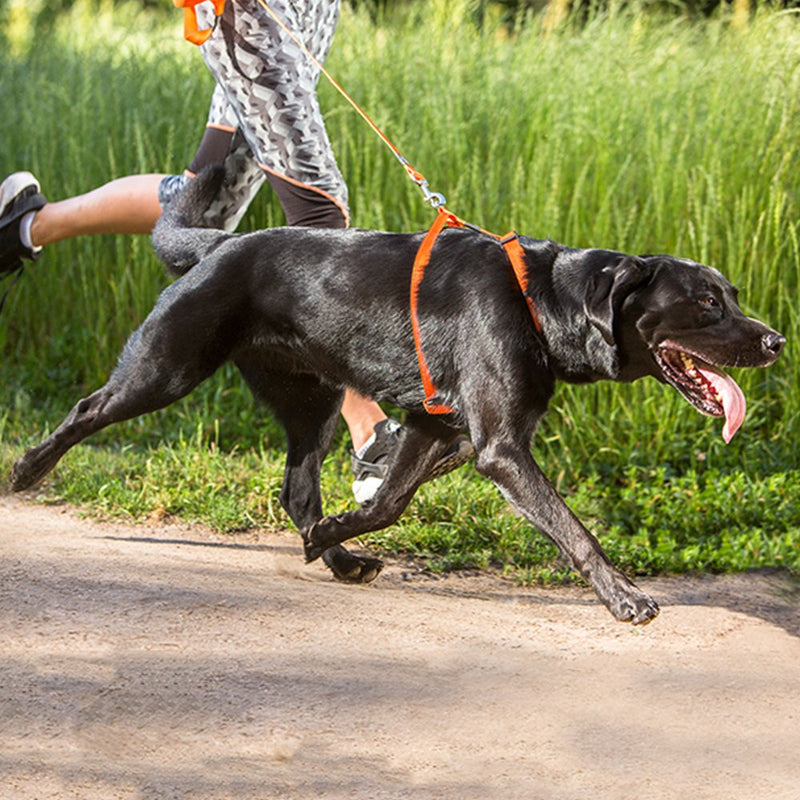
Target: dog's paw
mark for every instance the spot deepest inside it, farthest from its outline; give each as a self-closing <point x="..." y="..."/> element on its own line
<point x="311" y="550"/>
<point x="365" y="572"/>
<point x="323" y="535"/>
<point x="318" y="538"/>
<point x="635" y="607"/>
<point x="22" y="477"/>
<point x="350" y="568"/>
<point x="344" y="565"/>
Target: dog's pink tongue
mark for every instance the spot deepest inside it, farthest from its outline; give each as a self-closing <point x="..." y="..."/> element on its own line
<point x="733" y="402"/>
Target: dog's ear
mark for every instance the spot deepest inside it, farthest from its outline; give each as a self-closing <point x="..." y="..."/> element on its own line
<point x="606" y="290"/>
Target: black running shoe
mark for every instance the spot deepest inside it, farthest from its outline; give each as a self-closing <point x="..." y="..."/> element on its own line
<point x="19" y="194"/>
<point x="371" y="465"/>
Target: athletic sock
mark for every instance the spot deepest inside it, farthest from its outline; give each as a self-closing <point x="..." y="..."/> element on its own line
<point x="364" y="447"/>
<point x="25" y="232"/>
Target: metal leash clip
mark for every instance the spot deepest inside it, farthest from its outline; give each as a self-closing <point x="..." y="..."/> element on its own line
<point x="435" y="199"/>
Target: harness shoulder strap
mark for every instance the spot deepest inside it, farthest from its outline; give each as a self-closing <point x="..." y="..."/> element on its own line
<point x="432" y="403"/>
<point x="516" y="255"/>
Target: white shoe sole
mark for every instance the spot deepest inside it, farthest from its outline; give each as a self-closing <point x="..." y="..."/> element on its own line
<point x="13" y="185"/>
<point x="364" y="490"/>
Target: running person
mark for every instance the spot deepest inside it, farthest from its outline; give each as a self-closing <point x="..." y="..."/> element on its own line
<point x="264" y="123"/>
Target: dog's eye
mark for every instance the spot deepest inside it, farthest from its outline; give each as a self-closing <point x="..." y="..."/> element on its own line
<point x="709" y="302"/>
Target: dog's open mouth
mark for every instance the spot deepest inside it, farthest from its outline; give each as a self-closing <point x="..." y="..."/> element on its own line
<point x="707" y="388"/>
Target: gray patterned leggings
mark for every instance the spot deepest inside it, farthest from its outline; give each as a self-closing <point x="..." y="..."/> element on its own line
<point x="265" y="121"/>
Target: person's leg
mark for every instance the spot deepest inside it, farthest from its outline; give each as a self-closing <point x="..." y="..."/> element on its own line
<point x="28" y="221"/>
<point x="124" y="205"/>
<point x="270" y="86"/>
<point x="361" y="416"/>
<point x="130" y="204"/>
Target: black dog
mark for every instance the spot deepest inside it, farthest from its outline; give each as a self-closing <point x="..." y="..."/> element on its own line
<point x="304" y="313"/>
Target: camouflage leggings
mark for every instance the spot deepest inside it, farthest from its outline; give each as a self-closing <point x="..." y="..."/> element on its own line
<point x="265" y="121"/>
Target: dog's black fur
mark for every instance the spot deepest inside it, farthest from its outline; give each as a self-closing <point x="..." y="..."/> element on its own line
<point x="304" y="313"/>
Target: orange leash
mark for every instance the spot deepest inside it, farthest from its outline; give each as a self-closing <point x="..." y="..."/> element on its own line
<point x="435" y="199"/>
<point x="195" y="35"/>
<point x="444" y="218"/>
<point x="198" y="37"/>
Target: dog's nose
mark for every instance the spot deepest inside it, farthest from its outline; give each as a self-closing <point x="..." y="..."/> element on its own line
<point x="773" y="343"/>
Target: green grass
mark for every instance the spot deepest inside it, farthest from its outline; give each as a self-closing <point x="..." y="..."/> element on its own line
<point x="637" y="132"/>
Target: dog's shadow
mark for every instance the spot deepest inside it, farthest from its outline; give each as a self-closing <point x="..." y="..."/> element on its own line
<point x="769" y="594"/>
<point x="254" y="547"/>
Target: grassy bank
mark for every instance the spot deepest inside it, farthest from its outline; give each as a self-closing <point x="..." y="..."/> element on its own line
<point x="637" y="133"/>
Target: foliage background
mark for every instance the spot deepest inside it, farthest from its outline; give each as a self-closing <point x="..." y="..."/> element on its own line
<point x="628" y="128"/>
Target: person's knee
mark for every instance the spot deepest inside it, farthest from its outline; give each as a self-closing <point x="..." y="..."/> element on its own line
<point x="307" y="206"/>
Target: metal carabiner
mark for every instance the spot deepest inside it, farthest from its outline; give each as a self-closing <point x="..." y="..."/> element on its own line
<point x="435" y="199"/>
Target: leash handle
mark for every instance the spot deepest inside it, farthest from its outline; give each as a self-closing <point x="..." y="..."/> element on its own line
<point x="191" y="30"/>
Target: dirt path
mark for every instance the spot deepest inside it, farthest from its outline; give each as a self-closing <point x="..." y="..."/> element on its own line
<point x="169" y="662"/>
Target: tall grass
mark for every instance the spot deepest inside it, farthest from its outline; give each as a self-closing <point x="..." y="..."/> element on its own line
<point x="636" y="132"/>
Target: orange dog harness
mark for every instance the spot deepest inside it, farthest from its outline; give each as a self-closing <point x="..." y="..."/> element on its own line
<point x="516" y="256"/>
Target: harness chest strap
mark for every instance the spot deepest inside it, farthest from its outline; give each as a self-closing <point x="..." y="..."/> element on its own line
<point x="516" y="256"/>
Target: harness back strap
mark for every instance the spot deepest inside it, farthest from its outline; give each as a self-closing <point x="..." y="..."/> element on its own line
<point x="516" y="256"/>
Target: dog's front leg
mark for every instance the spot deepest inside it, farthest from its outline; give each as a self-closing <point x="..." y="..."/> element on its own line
<point x="422" y="441"/>
<point x="514" y="471"/>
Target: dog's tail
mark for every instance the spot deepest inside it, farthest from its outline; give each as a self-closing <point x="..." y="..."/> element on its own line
<point x="180" y="237"/>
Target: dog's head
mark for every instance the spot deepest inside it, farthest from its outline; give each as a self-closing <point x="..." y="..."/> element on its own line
<point x="680" y="321"/>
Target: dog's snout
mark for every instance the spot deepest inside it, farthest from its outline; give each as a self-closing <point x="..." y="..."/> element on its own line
<point x="773" y="343"/>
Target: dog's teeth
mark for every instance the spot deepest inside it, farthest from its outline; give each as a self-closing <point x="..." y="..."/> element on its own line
<point x="690" y="368"/>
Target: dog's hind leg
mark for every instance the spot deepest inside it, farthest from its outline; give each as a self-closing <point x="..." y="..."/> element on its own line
<point x="308" y="410"/>
<point x="102" y="408"/>
<point x="162" y="362"/>
<point x="422" y="441"/>
<point x="39" y="460"/>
